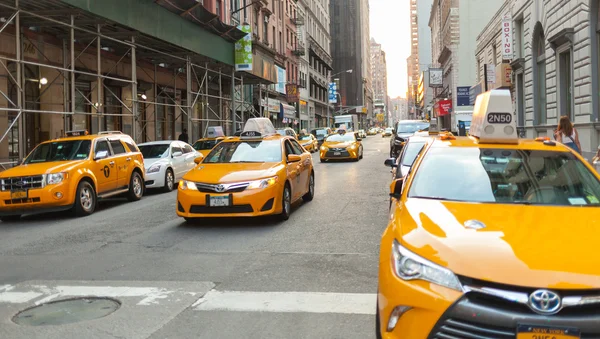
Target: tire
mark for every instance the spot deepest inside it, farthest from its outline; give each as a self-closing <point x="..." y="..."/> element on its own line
<point x="311" y="189"/>
<point x="361" y="153"/>
<point x="169" y="181"/>
<point x="286" y="203"/>
<point x="85" y="199"/>
<point x="190" y="220"/>
<point x="9" y="218"/>
<point x="136" y="187"/>
<point x="323" y="160"/>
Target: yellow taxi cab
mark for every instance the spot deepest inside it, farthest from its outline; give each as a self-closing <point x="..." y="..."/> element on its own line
<point x="214" y="135"/>
<point x="309" y="142"/>
<point x="72" y="173"/>
<point x="259" y="173"/>
<point x="492" y="236"/>
<point x="342" y="146"/>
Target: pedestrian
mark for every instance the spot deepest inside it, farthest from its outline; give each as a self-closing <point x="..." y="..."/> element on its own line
<point x="567" y="134"/>
<point x="183" y="136"/>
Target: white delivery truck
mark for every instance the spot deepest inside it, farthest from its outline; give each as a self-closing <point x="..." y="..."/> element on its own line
<point x="349" y="120"/>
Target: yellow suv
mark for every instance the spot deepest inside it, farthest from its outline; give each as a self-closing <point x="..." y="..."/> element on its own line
<point x="72" y="173"/>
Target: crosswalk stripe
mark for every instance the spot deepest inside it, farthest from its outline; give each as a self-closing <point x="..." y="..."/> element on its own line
<point x="285" y="302"/>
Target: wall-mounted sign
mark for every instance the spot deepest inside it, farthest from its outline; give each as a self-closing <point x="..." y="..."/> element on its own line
<point x="332" y="93"/>
<point x="507" y="38"/>
<point x="281" y="80"/>
<point x="243" y="50"/>
<point x="436" y="77"/>
<point x="504" y="78"/>
<point x="463" y="96"/>
<point x="474" y="91"/>
<point x="443" y="107"/>
<point x="292" y="93"/>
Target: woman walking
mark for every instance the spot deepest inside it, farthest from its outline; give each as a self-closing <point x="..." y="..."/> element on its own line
<point x="567" y="134"/>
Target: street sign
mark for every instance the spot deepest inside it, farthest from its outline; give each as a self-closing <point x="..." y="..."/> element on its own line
<point x="332" y="93"/>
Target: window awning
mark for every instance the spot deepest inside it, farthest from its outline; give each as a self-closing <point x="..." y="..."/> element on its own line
<point x="289" y="111"/>
<point x="195" y="12"/>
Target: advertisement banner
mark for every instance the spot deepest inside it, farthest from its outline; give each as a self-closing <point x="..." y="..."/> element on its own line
<point x="463" y="96"/>
<point x="281" y="80"/>
<point x="507" y="38"/>
<point x="436" y="77"/>
<point x="292" y="93"/>
<point x="332" y="93"/>
<point x="243" y="50"/>
<point x="443" y="107"/>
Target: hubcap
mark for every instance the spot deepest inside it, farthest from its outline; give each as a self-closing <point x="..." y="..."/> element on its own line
<point x="286" y="200"/>
<point x="137" y="186"/>
<point x="86" y="198"/>
<point x="170" y="180"/>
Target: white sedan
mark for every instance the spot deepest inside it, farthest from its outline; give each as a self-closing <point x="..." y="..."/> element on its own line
<point x="166" y="162"/>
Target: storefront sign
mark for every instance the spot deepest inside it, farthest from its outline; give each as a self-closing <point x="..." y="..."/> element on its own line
<point x="436" y="77"/>
<point x="274" y="105"/>
<point x="491" y="73"/>
<point x="507" y="38"/>
<point x="264" y="67"/>
<point x="504" y="78"/>
<point x="243" y="50"/>
<point x="281" y="80"/>
<point x="288" y="111"/>
<point x="463" y="96"/>
<point x="443" y="107"/>
<point x="292" y="93"/>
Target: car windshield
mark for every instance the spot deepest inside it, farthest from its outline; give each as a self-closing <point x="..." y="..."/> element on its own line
<point x="60" y="151"/>
<point x="412" y="150"/>
<point x="245" y="151"/>
<point x="305" y="137"/>
<point x="202" y="145"/>
<point x="412" y="127"/>
<point x="154" y="151"/>
<point x="346" y="137"/>
<point x="389" y="130"/>
<point x="506" y="176"/>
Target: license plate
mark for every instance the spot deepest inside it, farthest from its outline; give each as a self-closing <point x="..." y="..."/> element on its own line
<point x="337" y="153"/>
<point x="219" y="201"/>
<point x="18" y="195"/>
<point x="543" y="332"/>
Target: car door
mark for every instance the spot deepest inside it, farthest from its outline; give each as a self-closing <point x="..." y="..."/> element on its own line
<point x="177" y="160"/>
<point x="293" y="171"/>
<point x="190" y="154"/>
<point x="123" y="166"/>
<point x="104" y="167"/>
<point x="303" y="167"/>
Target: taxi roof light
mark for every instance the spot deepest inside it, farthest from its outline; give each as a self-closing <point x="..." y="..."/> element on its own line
<point x="493" y="121"/>
<point x="258" y="128"/>
<point x="214" y="132"/>
<point x="77" y="133"/>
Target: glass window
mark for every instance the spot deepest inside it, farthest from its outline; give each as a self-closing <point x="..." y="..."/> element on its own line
<point x="205" y="144"/>
<point x="131" y="145"/>
<point x="346" y="137"/>
<point x="175" y="149"/>
<point x="117" y="147"/>
<point x="506" y="176"/>
<point x="60" y="151"/>
<point x="101" y="146"/>
<point x="245" y="151"/>
<point x="155" y="151"/>
<point x="410" y="152"/>
<point x="566" y="84"/>
<point x="412" y="127"/>
<point x="187" y="149"/>
<point x="297" y="148"/>
<point x="540" y="78"/>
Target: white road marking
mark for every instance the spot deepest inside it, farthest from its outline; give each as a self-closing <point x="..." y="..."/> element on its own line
<point x="18" y="297"/>
<point x="285" y="302"/>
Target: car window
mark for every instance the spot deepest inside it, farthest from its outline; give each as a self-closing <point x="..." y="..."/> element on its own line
<point x="187" y="149"/>
<point x="289" y="149"/>
<point x="505" y="176"/>
<point x="412" y="127"/>
<point x="297" y="148"/>
<point x="60" y="151"/>
<point x="101" y="146"/>
<point x="117" y="147"/>
<point x="175" y="149"/>
<point x="410" y="152"/>
<point x="130" y="144"/>
<point x="155" y="151"/>
<point x="245" y="151"/>
<point x="346" y="137"/>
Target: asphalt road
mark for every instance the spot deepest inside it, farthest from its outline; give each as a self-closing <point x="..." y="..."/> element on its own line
<point x="314" y="276"/>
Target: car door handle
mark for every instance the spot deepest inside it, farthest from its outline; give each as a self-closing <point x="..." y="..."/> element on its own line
<point x="128" y="159"/>
<point x="112" y="163"/>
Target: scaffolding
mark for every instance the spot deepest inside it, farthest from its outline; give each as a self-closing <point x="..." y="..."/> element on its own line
<point x="100" y="75"/>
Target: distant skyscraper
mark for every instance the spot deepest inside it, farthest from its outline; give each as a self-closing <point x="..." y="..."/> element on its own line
<point x="379" y="72"/>
<point x="420" y="57"/>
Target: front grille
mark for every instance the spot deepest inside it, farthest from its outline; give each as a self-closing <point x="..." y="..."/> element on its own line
<point x="21" y="201"/>
<point x="202" y="209"/>
<point x="223" y="188"/>
<point x="331" y="154"/>
<point x="22" y="183"/>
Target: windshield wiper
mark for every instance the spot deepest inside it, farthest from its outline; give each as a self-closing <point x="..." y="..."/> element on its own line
<point x="433" y="198"/>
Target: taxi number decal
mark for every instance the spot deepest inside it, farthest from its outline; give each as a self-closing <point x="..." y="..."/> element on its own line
<point x="499" y="118"/>
<point x="106" y="171"/>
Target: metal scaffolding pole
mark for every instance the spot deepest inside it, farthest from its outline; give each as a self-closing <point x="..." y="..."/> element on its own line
<point x="72" y="52"/>
<point x="134" y="102"/>
<point x="242" y="108"/>
<point x="65" y="88"/>
<point x="233" y="111"/>
<point x="99" y="99"/>
<point x="260" y="105"/>
<point x="188" y="97"/>
<point x="221" y="112"/>
<point x="154" y="103"/>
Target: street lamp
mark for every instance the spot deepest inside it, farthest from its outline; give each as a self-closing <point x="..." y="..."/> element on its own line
<point x="349" y="71"/>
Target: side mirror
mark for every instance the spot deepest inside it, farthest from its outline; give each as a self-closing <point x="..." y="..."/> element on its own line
<point x="198" y="159"/>
<point x="391" y="162"/>
<point x="101" y="155"/>
<point x="177" y="154"/>
<point x="294" y="158"/>
<point x="396" y="188"/>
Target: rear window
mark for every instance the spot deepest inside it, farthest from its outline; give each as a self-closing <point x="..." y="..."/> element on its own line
<point x="505" y="176"/>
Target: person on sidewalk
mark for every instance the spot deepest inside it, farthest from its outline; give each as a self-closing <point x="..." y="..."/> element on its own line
<point x="183" y="136"/>
<point x="567" y="134"/>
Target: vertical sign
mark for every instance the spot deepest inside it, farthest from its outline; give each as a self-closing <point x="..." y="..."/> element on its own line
<point x="436" y="77"/>
<point x="507" y="38"/>
<point x="463" y="96"/>
<point x="332" y="93"/>
<point x="281" y="80"/>
<point x="243" y="50"/>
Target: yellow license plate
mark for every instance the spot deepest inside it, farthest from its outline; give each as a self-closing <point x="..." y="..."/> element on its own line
<point x="543" y="332"/>
<point x="18" y="195"/>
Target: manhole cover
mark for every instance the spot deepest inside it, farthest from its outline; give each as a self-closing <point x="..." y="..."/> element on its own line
<point x="67" y="311"/>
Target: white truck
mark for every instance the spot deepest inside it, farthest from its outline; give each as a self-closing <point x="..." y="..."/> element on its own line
<point x="349" y="120"/>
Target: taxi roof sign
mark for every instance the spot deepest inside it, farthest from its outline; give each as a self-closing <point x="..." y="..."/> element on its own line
<point x="76" y="133"/>
<point x="214" y="132"/>
<point x="261" y="127"/>
<point x="493" y="118"/>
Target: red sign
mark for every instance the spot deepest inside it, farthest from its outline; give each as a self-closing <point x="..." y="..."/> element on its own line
<point x="442" y="107"/>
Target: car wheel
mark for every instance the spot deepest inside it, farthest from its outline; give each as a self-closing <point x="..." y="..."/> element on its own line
<point x="169" y="181"/>
<point x="323" y="160"/>
<point x="286" y="203"/>
<point x="361" y="153"/>
<point x="9" y="218"/>
<point x="190" y="220"/>
<point x="85" y="200"/>
<point x="311" y="189"/>
<point x="136" y="187"/>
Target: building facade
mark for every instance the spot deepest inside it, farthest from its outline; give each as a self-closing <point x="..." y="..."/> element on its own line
<point x="398" y="110"/>
<point x="424" y="97"/>
<point x="454" y="27"/>
<point x="554" y="65"/>
<point x="379" y="71"/>
<point x="420" y="57"/>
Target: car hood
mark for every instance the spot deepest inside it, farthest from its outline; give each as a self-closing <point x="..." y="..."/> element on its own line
<point x="337" y="144"/>
<point x="532" y="246"/>
<point x="228" y="173"/>
<point x="41" y="168"/>
<point x="150" y="162"/>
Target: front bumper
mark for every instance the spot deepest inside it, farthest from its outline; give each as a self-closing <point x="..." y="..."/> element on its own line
<point x="39" y="200"/>
<point x="155" y="180"/>
<point x="248" y="203"/>
<point x="330" y="154"/>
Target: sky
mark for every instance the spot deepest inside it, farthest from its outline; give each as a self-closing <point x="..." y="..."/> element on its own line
<point x="390" y="26"/>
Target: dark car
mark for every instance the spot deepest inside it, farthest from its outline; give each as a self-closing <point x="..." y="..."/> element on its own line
<point x="321" y="134"/>
<point x="402" y="131"/>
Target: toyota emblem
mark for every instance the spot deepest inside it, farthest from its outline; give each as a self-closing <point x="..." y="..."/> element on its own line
<point x="545" y="302"/>
<point x="220" y="188"/>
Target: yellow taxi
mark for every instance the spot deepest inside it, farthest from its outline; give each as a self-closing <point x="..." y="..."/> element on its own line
<point x="214" y="135"/>
<point x="309" y="142"/>
<point x="341" y="146"/>
<point x="72" y="173"/>
<point x="259" y="173"/>
<point x="492" y="236"/>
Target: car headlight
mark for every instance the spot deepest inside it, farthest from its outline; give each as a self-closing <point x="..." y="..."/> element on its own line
<point x="187" y="185"/>
<point x="325" y="149"/>
<point x="353" y="147"/>
<point x="154" y="168"/>
<point x="55" y="178"/>
<point x="262" y="183"/>
<point x="409" y="266"/>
